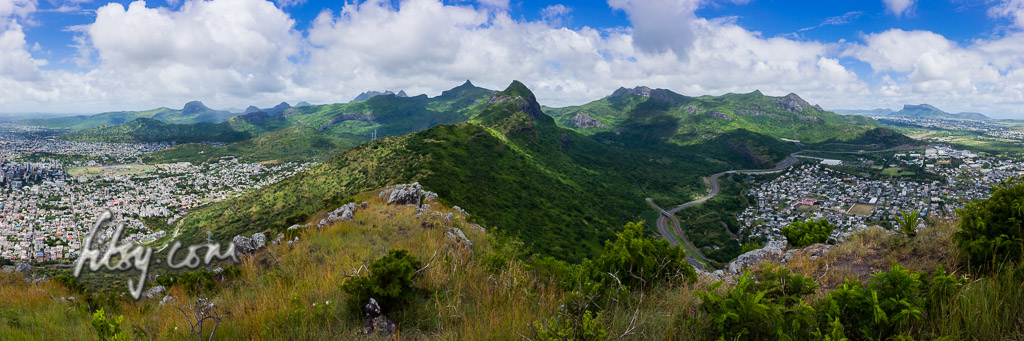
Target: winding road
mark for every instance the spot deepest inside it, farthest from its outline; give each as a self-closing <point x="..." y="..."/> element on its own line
<point x="693" y="254"/>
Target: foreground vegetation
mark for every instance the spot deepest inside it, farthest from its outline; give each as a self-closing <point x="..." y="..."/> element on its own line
<point x="876" y="285"/>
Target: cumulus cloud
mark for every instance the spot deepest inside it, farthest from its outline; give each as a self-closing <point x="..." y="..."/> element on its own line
<point x="1012" y="9"/>
<point x="661" y="25"/>
<point x="898" y="7"/>
<point x="241" y="52"/>
<point x="17" y="8"/>
<point x="555" y="15"/>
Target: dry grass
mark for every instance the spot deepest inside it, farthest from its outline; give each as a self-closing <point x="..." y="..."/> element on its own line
<point x="294" y="292"/>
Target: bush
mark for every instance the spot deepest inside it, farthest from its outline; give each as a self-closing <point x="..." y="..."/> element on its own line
<point x="908" y="221"/>
<point x="638" y="262"/>
<point x="804" y="233"/>
<point x="992" y="230"/>
<point x="588" y="327"/>
<point x="762" y="306"/>
<point x="390" y="282"/>
<point x="108" y="329"/>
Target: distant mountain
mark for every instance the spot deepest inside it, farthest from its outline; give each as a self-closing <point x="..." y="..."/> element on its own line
<point x="929" y="111"/>
<point x="277" y="109"/>
<point x="864" y="112"/>
<point x="644" y="115"/>
<point x="317" y="131"/>
<point x="303" y="104"/>
<point x="370" y="94"/>
<point x="152" y="130"/>
<point x="192" y="112"/>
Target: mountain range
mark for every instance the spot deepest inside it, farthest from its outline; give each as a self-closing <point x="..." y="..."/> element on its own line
<point x="192" y="112"/>
<point x="916" y="111"/>
<point x="503" y="158"/>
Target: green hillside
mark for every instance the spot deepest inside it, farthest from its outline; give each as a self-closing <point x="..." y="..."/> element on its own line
<point x="320" y="131"/>
<point x="511" y="167"/>
<point x="663" y="114"/>
<point x="929" y="111"/>
<point x="152" y="130"/>
<point x="193" y="112"/>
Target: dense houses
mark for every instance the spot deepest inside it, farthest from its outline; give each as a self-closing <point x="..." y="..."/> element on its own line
<point x="45" y="217"/>
<point x="814" y="191"/>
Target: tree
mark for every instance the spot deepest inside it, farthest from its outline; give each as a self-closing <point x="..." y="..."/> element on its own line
<point x="992" y="230"/>
<point x="391" y="282"/>
<point x="908" y="220"/>
<point x="804" y="233"/>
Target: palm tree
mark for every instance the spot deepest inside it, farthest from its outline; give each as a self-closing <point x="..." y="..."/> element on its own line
<point x="908" y="222"/>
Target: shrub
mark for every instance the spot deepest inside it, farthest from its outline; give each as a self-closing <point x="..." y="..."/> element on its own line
<point x="804" y="233"/>
<point x="767" y="305"/>
<point x="390" y="282"/>
<point x="108" y="329"/>
<point x="588" y="327"/>
<point x="992" y="230"/>
<point x="637" y="262"/>
<point x="908" y="220"/>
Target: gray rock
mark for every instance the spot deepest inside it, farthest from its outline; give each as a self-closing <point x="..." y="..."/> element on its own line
<point x="429" y="196"/>
<point x="582" y="120"/>
<point x="22" y="267"/>
<point x="154" y="291"/>
<point x="448" y="218"/>
<point x="243" y="244"/>
<point x="771" y="252"/>
<point x="294" y="227"/>
<point x="277" y="240"/>
<point x="364" y="205"/>
<point x="404" y="194"/>
<point x="460" y="210"/>
<point x="7" y="269"/>
<point x="347" y="216"/>
<point x="167" y="300"/>
<point x="376" y="321"/>
<point x="425" y="207"/>
<point x="218" y="271"/>
<point x="481" y="228"/>
<point x="259" y="241"/>
<point x="456" y="235"/>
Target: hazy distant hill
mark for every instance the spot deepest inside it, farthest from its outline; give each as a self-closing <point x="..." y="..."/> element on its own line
<point x="864" y="112"/>
<point x="659" y="114"/>
<point x="277" y="109"/>
<point x="929" y="111"/>
<point x="370" y="94"/>
<point x="316" y="131"/>
<point x="192" y="112"/>
<point x="152" y="130"/>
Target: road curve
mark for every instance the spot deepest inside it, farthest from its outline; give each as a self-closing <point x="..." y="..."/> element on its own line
<point x="693" y="254"/>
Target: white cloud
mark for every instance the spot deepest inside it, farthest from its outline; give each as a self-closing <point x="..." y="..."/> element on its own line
<point x="899" y="7"/>
<point x="661" y="25"/>
<point x="1013" y="9"/>
<point x="17" y="8"/>
<point x="494" y="3"/>
<point x="555" y="15"/>
<point x="240" y="52"/>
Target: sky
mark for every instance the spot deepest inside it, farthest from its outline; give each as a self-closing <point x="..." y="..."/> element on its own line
<point x="88" y="56"/>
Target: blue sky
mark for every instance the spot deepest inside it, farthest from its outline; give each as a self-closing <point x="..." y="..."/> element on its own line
<point x="88" y="56"/>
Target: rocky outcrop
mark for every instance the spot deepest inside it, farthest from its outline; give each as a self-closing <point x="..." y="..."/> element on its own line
<point x="773" y="251"/>
<point x="376" y="322"/>
<point x="456" y="236"/>
<point x="643" y="91"/>
<point x="22" y="268"/>
<point x="154" y="292"/>
<point x="583" y="120"/>
<point x="406" y="194"/>
<point x="247" y="245"/>
<point x="792" y="102"/>
<point x="718" y="115"/>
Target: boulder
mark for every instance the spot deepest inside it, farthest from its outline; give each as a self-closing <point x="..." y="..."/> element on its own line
<point x="259" y="241"/>
<point x="22" y="267"/>
<point x="460" y="210"/>
<point x="404" y="194"/>
<point x="429" y="196"/>
<point x="167" y="300"/>
<point x="455" y="235"/>
<point x="154" y="291"/>
<point x="347" y="216"/>
<point x="448" y="218"/>
<point x="243" y="244"/>
<point x="278" y="239"/>
<point x="376" y="322"/>
<point x="481" y="228"/>
<point x="364" y="205"/>
<point x="771" y="252"/>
